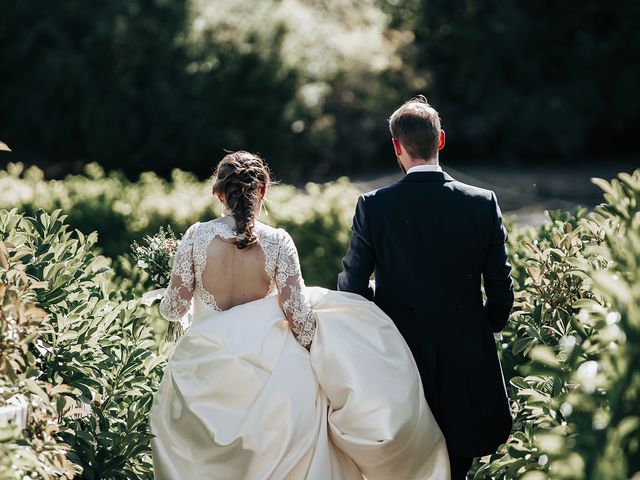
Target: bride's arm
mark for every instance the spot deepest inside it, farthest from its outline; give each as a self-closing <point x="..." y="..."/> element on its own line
<point x="290" y="292"/>
<point x="177" y="298"/>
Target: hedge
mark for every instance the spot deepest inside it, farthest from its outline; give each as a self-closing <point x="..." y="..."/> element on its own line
<point x="318" y="217"/>
<point x="90" y="354"/>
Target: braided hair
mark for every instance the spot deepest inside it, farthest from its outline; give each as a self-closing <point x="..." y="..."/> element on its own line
<point x="240" y="176"/>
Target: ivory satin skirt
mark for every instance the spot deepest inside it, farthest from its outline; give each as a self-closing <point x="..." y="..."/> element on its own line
<point x="241" y="399"/>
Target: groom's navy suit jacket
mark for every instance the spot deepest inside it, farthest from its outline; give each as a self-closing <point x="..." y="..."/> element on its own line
<point x="432" y="241"/>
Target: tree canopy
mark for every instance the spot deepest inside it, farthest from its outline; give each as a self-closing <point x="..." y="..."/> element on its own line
<point x="155" y="84"/>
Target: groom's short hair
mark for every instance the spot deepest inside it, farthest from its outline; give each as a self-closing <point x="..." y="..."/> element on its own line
<point x="416" y="124"/>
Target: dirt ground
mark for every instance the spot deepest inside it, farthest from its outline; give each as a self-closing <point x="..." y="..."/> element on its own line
<point x="527" y="192"/>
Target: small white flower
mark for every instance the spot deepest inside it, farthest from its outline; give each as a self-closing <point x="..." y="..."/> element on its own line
<point x="611" y="333"/>
<point x="600" y="420"/>
<point x="586" y="375"/>
<point x="567" y="343"/>
<point x="613" y="317"/>
<point x="588" y="369"/>
<point x="566" y="409"/>
<point x="107" y="308"/>
<point x="142" y="264"/>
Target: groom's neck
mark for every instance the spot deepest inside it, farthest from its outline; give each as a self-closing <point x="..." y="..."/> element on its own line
<point x="419" y="161"/>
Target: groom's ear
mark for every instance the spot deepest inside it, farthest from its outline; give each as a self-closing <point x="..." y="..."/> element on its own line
<point x="441" y="140"/>
<point x="397" y="146"/>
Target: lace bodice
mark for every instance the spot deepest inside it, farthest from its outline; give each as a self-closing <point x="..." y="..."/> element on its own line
<point x="197" y="258"/>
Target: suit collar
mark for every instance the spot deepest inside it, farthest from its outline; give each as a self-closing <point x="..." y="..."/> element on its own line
<point x="428" y="177"/>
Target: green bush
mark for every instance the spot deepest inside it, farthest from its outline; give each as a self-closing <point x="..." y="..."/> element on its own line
<point x="138" y="85"/>
<point x="496" y="76"/>
<point x="573" y="346"/>
<point x="601" y="434"/>
<point x="97" y="343"/>
<point x="24" y="328"/>
<point x="121" y="211"/>
<point x="570" y="351"/>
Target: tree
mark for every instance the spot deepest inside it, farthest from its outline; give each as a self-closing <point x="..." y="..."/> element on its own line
<point x="533" y="79"/>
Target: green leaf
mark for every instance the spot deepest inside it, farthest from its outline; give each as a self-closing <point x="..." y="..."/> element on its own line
<point x="519" y="382"/>
<point x="586" y="303"/>
<point x="523" y="344"/>
<point x="611" y="284"/>
<point x="545" y="356"/>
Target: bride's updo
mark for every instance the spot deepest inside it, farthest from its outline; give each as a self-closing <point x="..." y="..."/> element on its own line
<point x="240" y="177"/>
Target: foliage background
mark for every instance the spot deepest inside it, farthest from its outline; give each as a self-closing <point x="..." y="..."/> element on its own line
<point x="125" y="106"/>
<point x="318" y="217"/>
<point x="150" y="85"/>
<point x="570" y="351"/>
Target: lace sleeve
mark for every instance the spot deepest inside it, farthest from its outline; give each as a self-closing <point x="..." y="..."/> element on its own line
<point x="290" y="284"/>
<point x="177" y="298"/>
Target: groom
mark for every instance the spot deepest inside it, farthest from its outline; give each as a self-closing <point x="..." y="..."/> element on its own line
<point x="432" y="243"/>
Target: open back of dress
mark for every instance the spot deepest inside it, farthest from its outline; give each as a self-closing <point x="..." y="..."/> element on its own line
<point x="233" y="276"/>
<point x="210" y="265"/>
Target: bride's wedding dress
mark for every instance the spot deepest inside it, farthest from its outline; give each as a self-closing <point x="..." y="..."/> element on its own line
<point x="242" y="398"/>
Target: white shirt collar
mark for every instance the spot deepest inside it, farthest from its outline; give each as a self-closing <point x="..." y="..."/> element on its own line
<point x="425" y="168"/>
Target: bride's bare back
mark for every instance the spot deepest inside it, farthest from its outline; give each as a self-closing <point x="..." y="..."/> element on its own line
<point x="210" y="264"/>
<point x="242" y="272"/>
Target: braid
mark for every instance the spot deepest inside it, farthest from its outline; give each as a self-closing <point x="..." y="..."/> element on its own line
<point x="239" y="177"/>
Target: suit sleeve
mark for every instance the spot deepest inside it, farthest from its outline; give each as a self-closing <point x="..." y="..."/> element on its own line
<point x="496" y="273"/>
<point x="359" y="262"/>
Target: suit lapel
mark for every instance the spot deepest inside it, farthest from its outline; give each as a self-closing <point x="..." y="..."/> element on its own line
<point x="441" y="177"/>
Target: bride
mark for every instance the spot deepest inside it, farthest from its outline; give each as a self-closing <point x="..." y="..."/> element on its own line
<point x="274" y="380"/>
